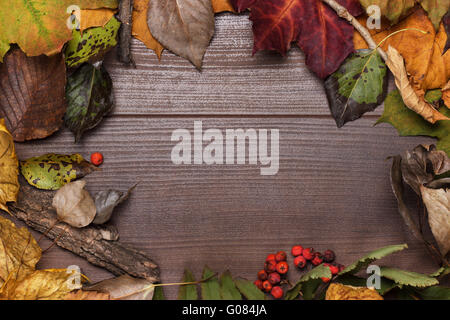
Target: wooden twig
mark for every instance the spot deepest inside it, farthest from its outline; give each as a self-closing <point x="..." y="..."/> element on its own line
<point x="343" y="13"/>
<point x="34" y="207"/>
<point x="125" y="16"/>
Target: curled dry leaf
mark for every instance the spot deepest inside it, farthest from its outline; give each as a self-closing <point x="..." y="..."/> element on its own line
<point x="338" y="291"/>
<point x="185" y="28"/>
<point x="9" y="183"/>
<point x="74" y="205"/>
<point x="124" y="287"/>
<point x="32" y="94"/>
<point x="418" y="104"/>
<point x="437" y="202"/>
<point x="87" y="295"/>
<point x="19" y="252"/>
<point x="106" y="201"/>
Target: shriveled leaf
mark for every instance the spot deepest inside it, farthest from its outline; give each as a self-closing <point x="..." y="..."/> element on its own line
<point x="32" y="94"/>
<point x="437" y="202"/>
<point x="392" y="10"/>
<point x="140" y="29"/>
<point x="408" y="278"/>
<point x="158" y="294"/>
<point x="365" y="261"/>
<point x="337" y="291"/>
<point x="124" y="287"/>
<point x="106" y="201"/>
<point x="189" y="291"/>
<point x="89" y="98"/>
<point x="74" y="205"/>
<point x="40" y="27"/>
<point x="357" y="87"/>
<point x="210" y="288"/>
<point x="86" y="295"/>
<point x="50" y="284"/>
<point x="52" y="171"/>
<point x="184" y="28"/>
<point x="408" y="123"/>
<point x="317" y="273"/>
<point x="92" y="44"/>
<point x="95" y="18"/>
<point x="228" y="290"/>
<point x="9" y="183"/>
<point x="435" y="293"/>
<point x="249" y="290"/>
<point x="19" y="252"/>
<point x="418" y="104"/>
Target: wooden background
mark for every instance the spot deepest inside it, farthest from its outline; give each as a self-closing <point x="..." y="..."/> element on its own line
<point x="332" y="189"/>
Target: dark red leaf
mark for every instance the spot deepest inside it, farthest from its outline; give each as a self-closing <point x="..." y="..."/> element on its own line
<point x="242" y="5"/>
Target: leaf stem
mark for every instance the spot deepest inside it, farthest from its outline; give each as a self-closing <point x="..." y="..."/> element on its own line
<point x="396" y="32"/>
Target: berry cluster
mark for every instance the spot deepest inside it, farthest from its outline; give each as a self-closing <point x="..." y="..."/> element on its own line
<point x="269" y="279"/>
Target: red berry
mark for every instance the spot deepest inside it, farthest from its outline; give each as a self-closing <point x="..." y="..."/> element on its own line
<point x="274" y="278"/>
<point x="270" y="266"/>
<point x="262" y="275"/>
<point x="277" y="292"/>
<point x="300" y="262"/>
<point x="267" y="286"/>
<point x="329" y="256"/>
<point x="97" y="158"/>
<point x="308" y="253"/>
<point x="270" y="257"/>
<point x="326" y="280"/>
<point x="280" y="256"/>
<point x="259" y="284"/>
<point x="296" y="251"/>
<point x="317" y="259"/>
<point x="282" y="267"/>
<point x="341" y="267"/>
<point x="334" y="269"/>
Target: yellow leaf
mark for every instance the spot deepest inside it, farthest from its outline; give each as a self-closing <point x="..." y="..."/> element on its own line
<point x="446" y="94"/>
<point x="222" y="6"/>
<point x="9" y="183"/>
<point x="19" y="252"/>
<point x="414" y="102"/>
<point x="95" y="18"/>
<point x="338" y="291"/>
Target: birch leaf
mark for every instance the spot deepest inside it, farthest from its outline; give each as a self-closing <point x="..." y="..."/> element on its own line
<point x="74" y="205"/>
<point x="396" y="64"/>
<point x="185" y="28"/>
<point x="9" y="183"/>
<point x="437" y="202"/>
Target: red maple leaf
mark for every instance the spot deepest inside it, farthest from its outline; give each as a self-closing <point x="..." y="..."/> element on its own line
<point x="325" y="38"/>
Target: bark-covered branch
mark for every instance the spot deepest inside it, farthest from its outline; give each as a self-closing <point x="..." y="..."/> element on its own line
<point x="125" y="16"/>
<point x="34" y="207"/>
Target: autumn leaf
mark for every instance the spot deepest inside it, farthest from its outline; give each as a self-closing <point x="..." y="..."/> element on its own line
<point x="92" y="44"/>
<point x="9" y="183"/>
<point x="337" y="291"/>
<point x="436" y="9"/>
<point x="95" y="18"/>
<point x="52" y="171"/>
<point x="392" y="10"/>
<point x="19" y="252"/>
<point x="124" y="287"/>
<point x="221" y="6"/>
<point x="87" y="295"/>
<point x="446" y="22"/>
<point x="446" y="95"/>
<point x="89" y="98"/>
<point x="106" y="201"/>
<point x="32" y="94"/>
<point x="184" y="29"/>
<point x="40" y="27"/>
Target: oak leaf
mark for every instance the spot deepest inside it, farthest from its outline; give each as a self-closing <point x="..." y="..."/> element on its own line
<point x="338" y="291"/>
<point x="9" y="183"/>
<point x="32" y="94"/>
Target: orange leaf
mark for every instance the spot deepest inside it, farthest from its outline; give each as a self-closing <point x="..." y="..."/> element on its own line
<point x="95" y="18"/>
<point x="222" y="6"/>
<point x="446" y="94"/>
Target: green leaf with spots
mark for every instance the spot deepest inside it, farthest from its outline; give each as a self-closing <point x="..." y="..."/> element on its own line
<point x="249" y="290"/>
<point x="357" y="87"/>
<point x="409" y="123"/>
<point x="211" y="287"/>
<point x="308" y="282"/>
<point x="52" y="171"/>
<point x="92" y="44"/>
<point x="89" y="98"/>
<point x="228" y="290"/>
<point x="189" y="291"/>
<point x="365" y="261"/>
<point x="408" y="278"/>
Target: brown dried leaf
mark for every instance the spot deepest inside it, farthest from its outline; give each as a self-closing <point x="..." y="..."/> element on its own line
<point x="95" y="17"/>
<point x="418" y="104"/>
<point x="74" y="205"/>
<point x="9" y="183"/>
<point x="222" y="6"/>
<point x="124" y="288"/>
<point x="437" y="202"/>
<point x="32" y="92"/>
<point x="87" y="295"/>
<point x="338" y="291"/>
<point x="185" y="28"/>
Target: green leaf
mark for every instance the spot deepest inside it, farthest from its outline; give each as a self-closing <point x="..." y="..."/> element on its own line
<point x="354" y="281"/>
<point x="365" y="261"/>
<point x="89" y="98"/>
<point x="249" y="290"/>
<point x="188" y="292"/>
<point x="318" y="272"/>
<point x="436" y="9"/>
<point x="92" y="44"/>
<point x="210" y="288"/>
<point x="293" y="292"/>
<point x="228" y="290"/>
<point x="409" y="123"/>
<point x="435" y="293"/>
<point x="408" y="278"/>
<point x="357" y="87"/>
<point x="158" y="294"/>
<point x="309" y="289"/>
<point x="441" y="272"/>
<point x="52" y="171"/>
<point x="433" y="96"/>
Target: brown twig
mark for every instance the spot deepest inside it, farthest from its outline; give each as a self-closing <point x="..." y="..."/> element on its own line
<point x="125" y="16"/>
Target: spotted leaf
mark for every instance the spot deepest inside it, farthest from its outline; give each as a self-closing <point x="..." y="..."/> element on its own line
<point x="52" y="171"/>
